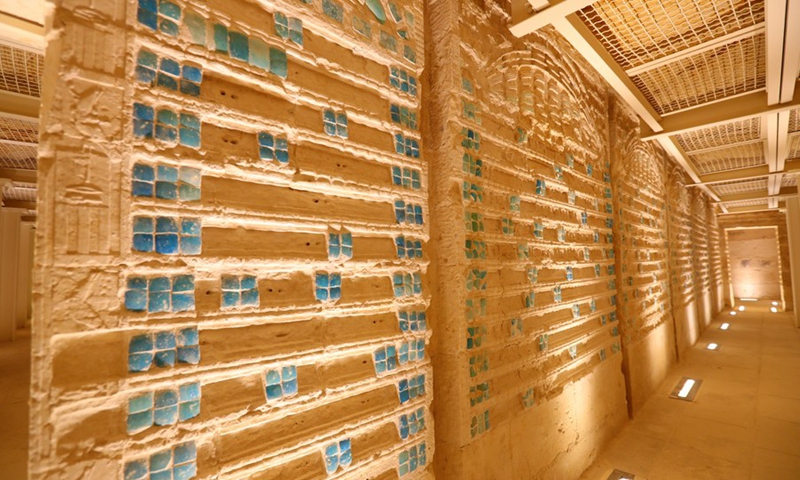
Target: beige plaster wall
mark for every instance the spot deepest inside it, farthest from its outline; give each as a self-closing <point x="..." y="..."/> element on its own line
<point x="760" y="219"/>
<point x="755" y="263"/>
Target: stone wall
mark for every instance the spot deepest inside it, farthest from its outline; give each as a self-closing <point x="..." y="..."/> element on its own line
<point x="639" y="174"/>
<point x="236" y="273"/>
<point x="760" y="219"/>
<point x="232" y="243"/>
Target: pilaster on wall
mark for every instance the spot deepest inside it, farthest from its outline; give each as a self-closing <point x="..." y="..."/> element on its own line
<point x="231" y="255"/>
<point x="639" y="175"/>
<point x="525" y="325"/>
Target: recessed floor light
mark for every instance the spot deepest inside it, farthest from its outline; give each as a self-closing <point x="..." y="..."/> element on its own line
<point x="741" y="308"/>
<point x="775" y="303"/>
<point x="686" y="389"/>
<point x="724" y="326"/>
<point x="773" y="309"/>
<point x="712" y="346"/>
<point x="733" y="312"/>
<point x="620" y="475"/>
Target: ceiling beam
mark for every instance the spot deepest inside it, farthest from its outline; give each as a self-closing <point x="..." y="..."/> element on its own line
<point x="524" y="23"/>
<point x="747" y="209"/>
<point x="577" y="34"/>
<point x="775" y="14"/>
<point x="700" y="48"/>
<point x="758" y="195"/>
<point x="19" y="204"/>
<point x="21" y="107"/>
<point x="18" y="175"/>
<point x="735" y="109"/>
<point x="20" y="33"/>
<point x="749" y="173"/>
<point x="791" y="51"/>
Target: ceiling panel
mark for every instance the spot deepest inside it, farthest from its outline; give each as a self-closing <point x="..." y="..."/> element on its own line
<point x="636" y="32"/>
<point x="732" y="188"/>
<point x="730" y="158"/>
<point x="714" y="137"/>
<point x="715" y="74"/>
<point x="20" y="71"/>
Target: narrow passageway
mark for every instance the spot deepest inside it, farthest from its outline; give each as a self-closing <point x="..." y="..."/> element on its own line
<point x="745" y="421"/>
<point x="15" y="374"/>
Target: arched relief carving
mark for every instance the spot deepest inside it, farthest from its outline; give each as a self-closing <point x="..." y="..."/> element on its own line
<point x="679" y="194"/>
<point x="544" y="98"/>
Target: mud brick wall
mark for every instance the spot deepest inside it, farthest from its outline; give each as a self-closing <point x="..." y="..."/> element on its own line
<point x="523" y="253"/>
<point x="760" y="219"/>
<point x="233" y="242"/>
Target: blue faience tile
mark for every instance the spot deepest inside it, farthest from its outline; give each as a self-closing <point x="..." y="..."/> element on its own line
<point x="363" y="27"/>
<point x="135" y="470"/>
<point x="182" y="302"/>
<point x="395" y="10"/>
<point x="189" y="130"/>
<point x="184" y="453"/>
<point x="282" y="150"/>
<point x="160" y="461"/>
<point x="333" y="9"/>
<point x="377" y="9"/>
<point x="193" y="74"/>
<point x="188" y="410"/>
<point x="277" y="62"/>
<point x="239" y="46"/>
<point x="146" y="14"/>
<point x="220" y="38"/>
<point x="281" y="25"/>
<point x="168" y="27"/>
<point x="331" y="455"/>
<point x="197" y="28"/>
<point x="143" y="117"/>
<point x="345" y="453"/>
<point x="296" y="30"/>
<point x="388" y="41"/>
<point x="259" y="54"/>
<point x="169" y="9"/>
<point x="188" y="392"/>
<point x="409" y="54"/>
<point x="184" y="472"/>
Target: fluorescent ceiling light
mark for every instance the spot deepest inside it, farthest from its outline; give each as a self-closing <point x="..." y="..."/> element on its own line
<point x="748" y="299"/>
<point x="724" y="326"/>
<point x="712" y="346"/>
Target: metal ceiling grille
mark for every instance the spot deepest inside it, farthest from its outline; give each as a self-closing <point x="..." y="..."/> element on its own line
<point x="20" y="71"/>
<point x="735" y="132"/>
<point x="636" y="32"/>
<point x="789" y="181"/>
<point x="794" y="120"/>
<point x="794" y="146"/>
<point x="731" y="188"/>
<point x="748" y="203"/>
<point x="715" y="74"/>
<point x="16" y="156"/>
<point x="18" y="130"/>
<point x="732" y="158"/>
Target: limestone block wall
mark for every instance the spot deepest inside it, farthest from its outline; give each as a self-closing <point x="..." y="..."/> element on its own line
<point x="715" y="253"/>
<point x="760" y="219"/>
<point x="701" y="258"/>
<point x="639" y="175"/>
<point x="526" y="324"/>
<point x="231" y="266"/>
<point x="681" y="266"/>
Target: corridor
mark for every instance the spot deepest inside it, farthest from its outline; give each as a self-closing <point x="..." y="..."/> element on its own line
<point x="745" y="421"/>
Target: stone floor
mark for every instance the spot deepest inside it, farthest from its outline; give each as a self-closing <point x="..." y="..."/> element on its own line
<point x="15" y="375"/>
<point x="745" y="421"/>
